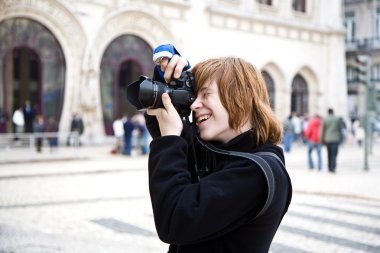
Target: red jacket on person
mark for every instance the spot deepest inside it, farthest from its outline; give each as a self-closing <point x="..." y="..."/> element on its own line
<point x="312" y="132"/>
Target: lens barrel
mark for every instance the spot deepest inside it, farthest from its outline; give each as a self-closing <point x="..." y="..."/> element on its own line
<point x="145" y="92"/>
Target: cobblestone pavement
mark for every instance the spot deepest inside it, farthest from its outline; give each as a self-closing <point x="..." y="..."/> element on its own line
<point x="89" y="201"/>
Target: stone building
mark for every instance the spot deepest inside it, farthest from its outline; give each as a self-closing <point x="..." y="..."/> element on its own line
<point x="362" y="21"/>
<point x="69" y="56"/>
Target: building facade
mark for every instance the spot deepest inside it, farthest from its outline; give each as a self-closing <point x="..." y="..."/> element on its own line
<point x="69" y="56"/>
<point x="362" y="21"/>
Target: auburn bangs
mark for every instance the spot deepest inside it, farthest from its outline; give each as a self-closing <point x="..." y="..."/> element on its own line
<point x="243" y="93"/>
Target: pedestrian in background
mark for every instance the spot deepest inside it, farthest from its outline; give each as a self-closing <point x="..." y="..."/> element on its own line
<point x="128" y="129"/>
<point x="331" y="136"/>
<point x="29" y="116"/>
<point x="288" y="134"/>
<point x="76" y="130"/>
<point x="52" y="128"/>
<point x="297" y="124"/>
<point x="118" y="131"/>
<point x="18" y="122"/>
<point x="304" y="122"/>
<point x="359" y="132"/>
<point x="312" y="133"/>
<point x="3" y="121"/>
<point x="142" y="134"/>
<point x="39" y="129"/>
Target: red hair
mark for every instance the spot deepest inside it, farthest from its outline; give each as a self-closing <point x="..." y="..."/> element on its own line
<point x="243" y="93"/>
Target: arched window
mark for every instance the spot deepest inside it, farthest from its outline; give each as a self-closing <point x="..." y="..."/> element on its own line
<point x="300" y="97"/>
<point x="32" y="67"/>
<point x="125" y="59"/>
<point x="270" y="87"/>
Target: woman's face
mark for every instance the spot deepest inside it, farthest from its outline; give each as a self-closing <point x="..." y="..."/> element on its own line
<point x="211" y="116"/>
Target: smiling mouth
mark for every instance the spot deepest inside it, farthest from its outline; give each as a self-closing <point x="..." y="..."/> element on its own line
<point x="202" y="119"/>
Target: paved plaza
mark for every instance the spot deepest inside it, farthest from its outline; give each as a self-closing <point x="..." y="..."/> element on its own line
<point x="88" y="200"/>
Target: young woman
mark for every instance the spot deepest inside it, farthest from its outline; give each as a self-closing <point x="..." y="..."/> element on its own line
<point x="208" y="202"/>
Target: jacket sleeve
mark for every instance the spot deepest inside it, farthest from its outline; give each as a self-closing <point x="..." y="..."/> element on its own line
<point x="187" y="212"/>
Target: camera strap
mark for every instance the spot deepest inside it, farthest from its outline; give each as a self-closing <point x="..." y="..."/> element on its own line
<point x="258" y="159"/>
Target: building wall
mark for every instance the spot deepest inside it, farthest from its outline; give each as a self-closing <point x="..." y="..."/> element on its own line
<point x="365" y="40"/>
<point x="274" y="38"/>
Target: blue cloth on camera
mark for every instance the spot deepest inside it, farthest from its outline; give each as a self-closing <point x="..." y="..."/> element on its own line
<point x="165" y="50"/>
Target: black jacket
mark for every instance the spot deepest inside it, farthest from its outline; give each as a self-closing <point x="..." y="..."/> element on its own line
<point x="216" y="213"/>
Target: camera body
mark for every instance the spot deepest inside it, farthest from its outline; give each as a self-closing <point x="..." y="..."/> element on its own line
<point x="146" y="93"/>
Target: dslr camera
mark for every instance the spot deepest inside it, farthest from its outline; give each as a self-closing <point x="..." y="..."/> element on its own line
<point x="145" y="93"/>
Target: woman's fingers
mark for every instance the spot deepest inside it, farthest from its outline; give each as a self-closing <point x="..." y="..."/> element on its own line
<point x="162" y="112"/>
<point x="167" y="102"/>
<point x="168" y="118"/>
<point x="153" y="112"/>
<point x="181" y="64"/>
<point x="173" y="67"/>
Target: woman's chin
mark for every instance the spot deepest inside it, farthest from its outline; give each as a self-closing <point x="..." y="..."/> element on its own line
<point x="205" y="137"/>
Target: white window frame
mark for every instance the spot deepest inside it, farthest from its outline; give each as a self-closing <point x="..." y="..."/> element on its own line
<point x="350" y="24"/>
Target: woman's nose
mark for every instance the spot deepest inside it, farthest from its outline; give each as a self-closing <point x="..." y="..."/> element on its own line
<point x="196" y="104"/>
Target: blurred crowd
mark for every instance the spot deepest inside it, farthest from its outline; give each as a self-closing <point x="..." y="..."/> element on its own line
<point x="27" y="120"/>
<point x="131" y="134"/>
<point x="331" y="131"/>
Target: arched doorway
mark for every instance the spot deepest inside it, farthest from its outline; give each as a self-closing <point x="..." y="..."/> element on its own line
<point x="270" y="87"/>
<point x="299" y="96"/>
<point x="129" y="72"/>
<point x="26" y="78"/>
<point x="125" y="59"/>
<point x="32" y="67"/>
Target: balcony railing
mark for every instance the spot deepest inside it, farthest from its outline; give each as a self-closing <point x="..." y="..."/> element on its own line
<point x="365" y="44"/>
<point x="346" y="2"/>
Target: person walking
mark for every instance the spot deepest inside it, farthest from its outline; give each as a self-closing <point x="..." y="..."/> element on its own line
<point x="39" y="129"/>
<point x="359" y="132"/>
<point x="304" y="121"/>
<point x="142" y="134"/>
<point x="297" y="123"/>
<point x="76" y="130"/>
<point x="288" y="134"/>
<point x="312" y="133"/>
<point x="52" y="128"/>
<point x="3" y="121"/>
<point x="192" y="189"/>
<point x="128" y="130"/>
<point x="29" y="116"/>
<point x="118" y="131"/>
<point x="18" y="122"/>
<point x="331" y="136"/>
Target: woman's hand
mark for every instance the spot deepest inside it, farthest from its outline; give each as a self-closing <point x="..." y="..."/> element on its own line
<point x="169" y="121"/>
<point x="174" y="65"/>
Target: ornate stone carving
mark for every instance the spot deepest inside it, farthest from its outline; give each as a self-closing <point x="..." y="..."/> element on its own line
<point x="137" y="22"/>
<point x="52" y="11"/>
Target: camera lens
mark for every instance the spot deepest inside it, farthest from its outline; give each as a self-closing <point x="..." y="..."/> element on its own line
<point x="146" y="93"/>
